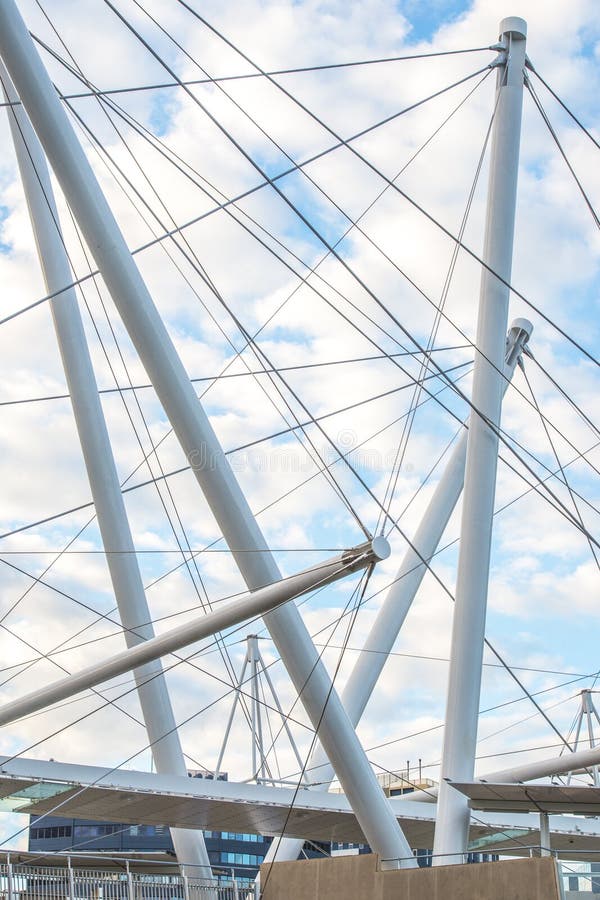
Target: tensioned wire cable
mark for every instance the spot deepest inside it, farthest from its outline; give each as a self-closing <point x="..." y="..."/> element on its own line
<point x="71" y="263"/>
<point x="284" y="91"/>
<point x="494" y="708"/>
<point x="488" y="643"/>
<point x="180" y="660"/>
<point x="355" y="223"/>
<point x="530" y="488"/>
<point x="351" y="609"/>
<point x="484" y="756"/>
<point x="440" y="725"/>
<point x="245" y="446"/>
<point x="439" y="551"/>
<point x="566" y="396"/>
<point x="392" y="653"/>
<point x="527" y="693"/>
<point x="523" y="698"/>
<point x="221" y="680"/>
<point x="91" y="609"/>
<point x="580" y="455"/>
<point x="284" y="301"/>
<point x="341" y="142"/>
<point x="226" y="660"/>
<point x="228" y="205"/>
<point x="197" y="266"/>
<point x="152" y="452"/>
<point x="424" y="362"/>
<point x="566" y="108"/>
<point x="278" y="146"/>
<point x="249" y="343"/>
<point x="301" y="776"/>
<point x="97" y="331"/>
<point x="238" y="106"/>
<point x="351" y="612"/>
<point x="123" y="388"/>
<point x="522" y="721"/>
<point x="191" y="661"/>
<point x="360" y="592"/>
<point x="202" y="597"/>
<point x="315" y="453"/>
<point x="527" y="749"/>
<point x="37" y="581"/>
<point x="355" y="152"/>
<point x="518" y="682"/>
<point x="563" y="476"/>
<point x="422" y="656"/>
<point x="321" y="238"/>
<point x="252" y="75"/>
<point x="561" y="150"/>
<point x="172" y="569"/>
<point x="510" y="503"/>
<point x="138" y="752"/>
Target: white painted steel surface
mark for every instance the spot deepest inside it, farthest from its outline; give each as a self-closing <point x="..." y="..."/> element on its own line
<point x="466" y="653"/>
<point x="145" y="798"/>
<point x="224" y="616"/>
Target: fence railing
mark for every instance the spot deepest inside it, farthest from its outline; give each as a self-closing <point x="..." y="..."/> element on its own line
<point x="20" y="881"/>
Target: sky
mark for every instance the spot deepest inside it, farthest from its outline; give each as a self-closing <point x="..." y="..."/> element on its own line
<point x="393" y="272"/>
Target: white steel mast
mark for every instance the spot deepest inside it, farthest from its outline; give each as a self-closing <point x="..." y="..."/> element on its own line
<point x="466" y="654"/>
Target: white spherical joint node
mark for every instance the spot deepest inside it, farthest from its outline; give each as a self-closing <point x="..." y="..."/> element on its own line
<point x="380" y="547"/>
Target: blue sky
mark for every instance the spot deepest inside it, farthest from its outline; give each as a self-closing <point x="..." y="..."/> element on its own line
<point x="426" y="18"/>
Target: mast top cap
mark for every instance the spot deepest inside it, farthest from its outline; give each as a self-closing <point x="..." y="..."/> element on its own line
<point x="515" y="26"/>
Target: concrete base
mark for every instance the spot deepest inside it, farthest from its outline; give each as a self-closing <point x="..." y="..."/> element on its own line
<point x="360" y="878"/>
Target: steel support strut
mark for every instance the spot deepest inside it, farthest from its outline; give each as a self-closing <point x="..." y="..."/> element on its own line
<point x="195" y="433"/>
<point x="466" y="654"/>
<point x="225" y="616"/>
<point x="100" y="465"/>
<point x="394" y="609"/>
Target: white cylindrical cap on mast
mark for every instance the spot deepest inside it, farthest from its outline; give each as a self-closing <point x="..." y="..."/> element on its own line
<point x="515" y="26"/>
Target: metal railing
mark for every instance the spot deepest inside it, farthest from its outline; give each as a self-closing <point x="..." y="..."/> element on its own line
<point x="20" y="881"/>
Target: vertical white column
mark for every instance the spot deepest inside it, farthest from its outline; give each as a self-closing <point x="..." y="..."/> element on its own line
<point x="466" y="655"/>
<point x="545" y="846"/>
<point x="99" y="461"/>
<point x="255" y="712"/>
<point x="589" y="711"/>
<point x="195" y="434"/>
